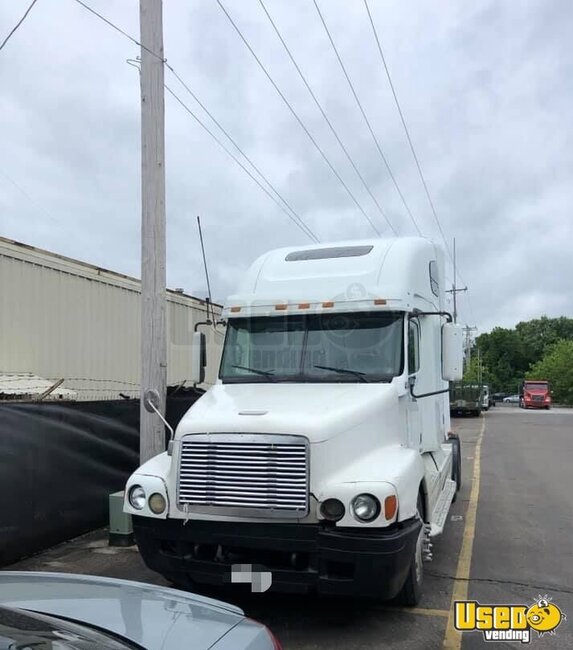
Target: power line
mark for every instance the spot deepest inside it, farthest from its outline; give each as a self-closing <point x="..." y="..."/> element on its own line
<point x="18" y="24"/>
<point x="406" y="130"/>
<point x="23" y="191"/>
<point x="413" y="150"/>
<point x="300" y="224"/>
<point x="414" y="154"/>
<point x="239" y="149"/>
<point x="296" y="116"/>
<point x="294" y="217"/>
<point x="366" y="120"/>
<point x="118" y="29"/>
<point x="329" y="123"/>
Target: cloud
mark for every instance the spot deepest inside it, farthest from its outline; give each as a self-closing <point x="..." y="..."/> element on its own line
<point x="486" y="90"/>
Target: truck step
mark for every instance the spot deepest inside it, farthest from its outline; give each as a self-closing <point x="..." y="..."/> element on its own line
<point x="442" y="508"/>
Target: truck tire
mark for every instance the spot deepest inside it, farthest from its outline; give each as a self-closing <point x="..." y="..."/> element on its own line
<point x="411" y="592"/>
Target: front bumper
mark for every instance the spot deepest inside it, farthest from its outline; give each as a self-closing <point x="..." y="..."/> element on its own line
<point x="536" y="404"/>
<point x="302" y="558"/>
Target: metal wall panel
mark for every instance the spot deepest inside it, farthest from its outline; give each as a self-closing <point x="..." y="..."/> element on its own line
<point x="63" y="318"/>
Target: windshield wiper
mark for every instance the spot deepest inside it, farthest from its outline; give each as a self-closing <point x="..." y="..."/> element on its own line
<point x="356" y="373"/>
<point x="264" y="373"/>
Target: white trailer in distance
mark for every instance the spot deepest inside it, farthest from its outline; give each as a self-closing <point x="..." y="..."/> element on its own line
<point x="323" y="455"/>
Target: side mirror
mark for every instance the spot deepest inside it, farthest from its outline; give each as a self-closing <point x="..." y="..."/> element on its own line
<point x="452" y="352"/>
<point x="199" y="358"/>
<point x="151" y="403"/>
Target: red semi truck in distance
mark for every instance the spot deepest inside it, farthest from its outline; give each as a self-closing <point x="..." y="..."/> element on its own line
<point x="535" y="393"/>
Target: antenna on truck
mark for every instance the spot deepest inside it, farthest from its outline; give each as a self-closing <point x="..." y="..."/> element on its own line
<point x="209" y="299"/>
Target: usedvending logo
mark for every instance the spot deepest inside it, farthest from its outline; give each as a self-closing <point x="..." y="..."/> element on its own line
<point x="508" y="622"/>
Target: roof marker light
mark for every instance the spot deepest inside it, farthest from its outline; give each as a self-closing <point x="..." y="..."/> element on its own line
<point x="281" y="307"/>
<point x="304" y="305"/>
<point x="328" y="304"/>
<point x="235" y="309"/>
<point x="380" y="301"/>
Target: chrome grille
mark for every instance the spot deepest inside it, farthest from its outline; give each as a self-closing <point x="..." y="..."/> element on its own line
<point x="256" y="474"/>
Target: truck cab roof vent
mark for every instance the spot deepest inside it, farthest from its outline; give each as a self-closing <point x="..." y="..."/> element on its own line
<point x="328" y="253"/>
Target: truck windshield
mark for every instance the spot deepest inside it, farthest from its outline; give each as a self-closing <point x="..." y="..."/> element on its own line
<point x="352" y="347"/>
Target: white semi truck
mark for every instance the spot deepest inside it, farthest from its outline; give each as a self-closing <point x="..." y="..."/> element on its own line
<point x="323" y="455"/>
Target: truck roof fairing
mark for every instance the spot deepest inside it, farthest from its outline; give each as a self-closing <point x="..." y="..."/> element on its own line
<point x="395" y="274"/>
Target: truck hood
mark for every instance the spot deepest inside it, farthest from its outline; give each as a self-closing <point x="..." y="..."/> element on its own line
<point x="317" y="411"/>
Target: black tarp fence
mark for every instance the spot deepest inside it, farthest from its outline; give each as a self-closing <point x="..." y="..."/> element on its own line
<point x="60" y="462"/>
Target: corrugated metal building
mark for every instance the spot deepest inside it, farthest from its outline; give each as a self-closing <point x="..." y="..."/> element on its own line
<point x="65" y="319"/>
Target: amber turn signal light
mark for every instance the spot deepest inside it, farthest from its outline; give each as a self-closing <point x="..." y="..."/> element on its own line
<point x="390" y="506"/>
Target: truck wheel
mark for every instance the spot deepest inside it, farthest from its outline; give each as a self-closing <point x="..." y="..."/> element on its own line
<point x="411" y="592"/>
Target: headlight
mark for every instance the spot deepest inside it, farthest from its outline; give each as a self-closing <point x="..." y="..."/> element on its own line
<point x="137" y="497"/>
<point x="157" y="503"/>
<point x="332" y="509"/>
<point x="365" y="507"/>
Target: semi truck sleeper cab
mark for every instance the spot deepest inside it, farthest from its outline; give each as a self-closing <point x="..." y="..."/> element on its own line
<point x="323" y="455"/>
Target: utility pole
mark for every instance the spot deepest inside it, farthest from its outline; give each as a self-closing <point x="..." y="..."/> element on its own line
<point x="153" y="247"/>
<point x="453" y="290"/>
<point x="468" y="347"/>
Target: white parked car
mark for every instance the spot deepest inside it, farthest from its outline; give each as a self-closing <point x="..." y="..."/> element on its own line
<point x="512" y="399"/>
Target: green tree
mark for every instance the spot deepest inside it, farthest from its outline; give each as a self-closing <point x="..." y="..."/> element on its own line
<point x="539" y="334"/>
<point x="503" y="354"/>
<point x="476" y="372"/>
<point x="557" y="368"/>
<point x="509" y="353"/>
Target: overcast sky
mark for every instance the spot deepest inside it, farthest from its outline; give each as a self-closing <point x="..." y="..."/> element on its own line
<point x="486" y="89"/>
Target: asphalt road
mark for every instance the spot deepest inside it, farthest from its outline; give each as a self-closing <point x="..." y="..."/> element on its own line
<point x="520" y="546"/>
<point x="524" y="535"/>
